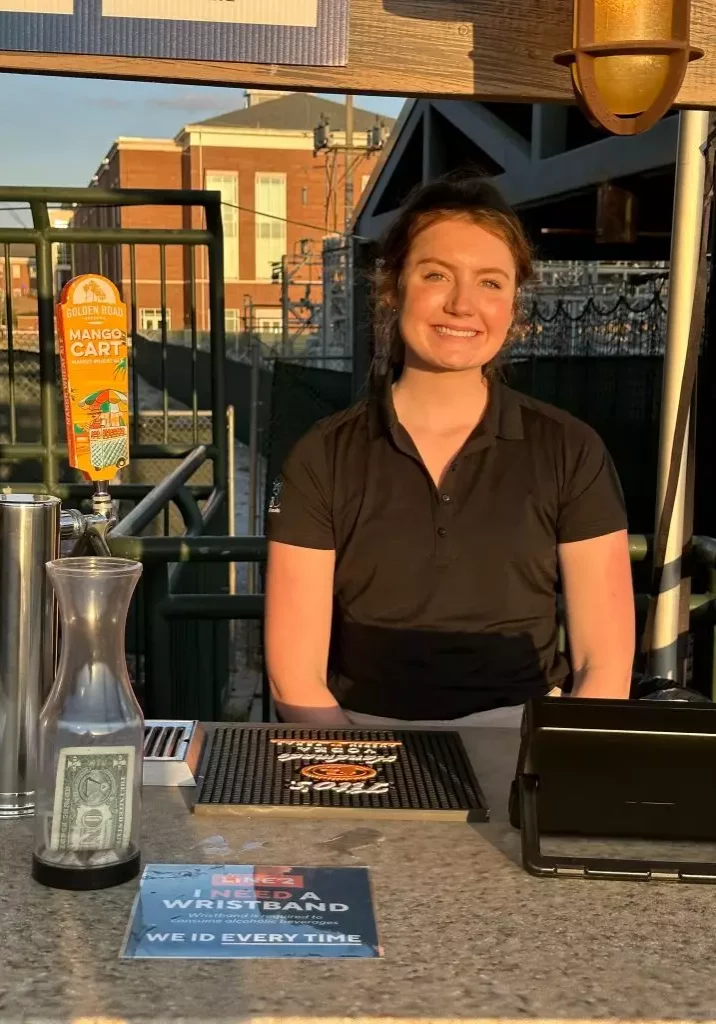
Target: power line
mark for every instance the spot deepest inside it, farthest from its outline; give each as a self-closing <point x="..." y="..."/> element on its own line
<point x="224" y="202"/>
<point x="274" y="216"/>
<point x="233" y="206"/>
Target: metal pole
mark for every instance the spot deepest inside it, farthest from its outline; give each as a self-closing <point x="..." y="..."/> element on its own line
<point x="349" y="162"/>
<point x="203" y="268"/>
<point x="327" y="324"/>
<point x="254" y="453"/>
<point x="665" y="656"/>
<point x="231" y="487"/>
<point x="152" y="503"/>
<point x="46" y="324"/>
<point x="284" y="305"/>
<point x="350" y="309"/>
<point x="217" y="339"/>
<point x="29" y="537"/>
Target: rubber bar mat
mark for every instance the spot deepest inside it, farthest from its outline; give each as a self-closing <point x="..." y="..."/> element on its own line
<point x="330" y="772"/>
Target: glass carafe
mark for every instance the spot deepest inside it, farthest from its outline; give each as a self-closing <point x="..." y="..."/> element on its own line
<point x="91" y="734"/>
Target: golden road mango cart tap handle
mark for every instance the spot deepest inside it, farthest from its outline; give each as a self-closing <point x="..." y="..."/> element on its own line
<point x="92" y="332"/>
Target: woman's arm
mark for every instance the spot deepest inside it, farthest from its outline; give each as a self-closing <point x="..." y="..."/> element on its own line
<point x="599" y="599"/>
<point x="299" y="610"/>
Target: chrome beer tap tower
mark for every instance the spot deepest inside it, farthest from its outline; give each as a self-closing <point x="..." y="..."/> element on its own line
<point x="32" y="529"/>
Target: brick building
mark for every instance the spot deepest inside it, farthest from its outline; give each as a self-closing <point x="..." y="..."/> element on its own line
<point x="23" y="274"/>
<point x="276" y="195"/>
<point x="18" y="275"/>
<point x="18" y="285"/>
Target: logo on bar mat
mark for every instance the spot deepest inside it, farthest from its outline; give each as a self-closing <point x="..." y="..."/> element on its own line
<point x="341" y="766"/>
<point x="338" y="772"/>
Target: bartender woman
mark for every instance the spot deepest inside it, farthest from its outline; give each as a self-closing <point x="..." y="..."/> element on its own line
<point x="416" y="540"/>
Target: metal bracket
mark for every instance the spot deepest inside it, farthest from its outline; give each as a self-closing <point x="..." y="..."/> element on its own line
<point x="614" y="869"/>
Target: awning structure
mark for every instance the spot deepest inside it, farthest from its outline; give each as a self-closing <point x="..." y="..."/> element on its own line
<point x="582" y="193"/>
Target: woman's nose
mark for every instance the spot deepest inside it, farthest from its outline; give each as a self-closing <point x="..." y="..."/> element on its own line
<point x="460" y="301"/>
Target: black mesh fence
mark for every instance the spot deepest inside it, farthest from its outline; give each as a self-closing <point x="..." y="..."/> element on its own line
<point x="300" y="396"/>
<point x="601" y="358"/>
<point x="620" y="397"/>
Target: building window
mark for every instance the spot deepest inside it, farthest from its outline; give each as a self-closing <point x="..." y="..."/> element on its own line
<point x="232" y="321"/>
<point x="270" y="223"/>
<point x="151" y="319"/>
<point x="304" y="195"/>
<point x="268" y="322"/>
<point x="16" y="270"/>
<point x="227" y="183"/>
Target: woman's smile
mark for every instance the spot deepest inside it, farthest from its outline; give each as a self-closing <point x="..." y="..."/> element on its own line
<point x="456" y="332"/>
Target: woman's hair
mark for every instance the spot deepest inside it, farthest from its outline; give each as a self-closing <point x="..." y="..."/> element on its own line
<point x="464" y="194"/>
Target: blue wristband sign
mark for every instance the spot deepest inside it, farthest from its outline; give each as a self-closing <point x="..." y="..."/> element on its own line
<point x="215" y="911"/>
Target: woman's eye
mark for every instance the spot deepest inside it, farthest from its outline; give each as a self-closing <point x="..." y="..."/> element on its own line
<point x="491" y="283"/>
<point x="434" y="275"/>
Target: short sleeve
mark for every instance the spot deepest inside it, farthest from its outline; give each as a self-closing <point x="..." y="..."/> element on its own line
<point x="299" y="510"/>
<point x="591" y="501"/>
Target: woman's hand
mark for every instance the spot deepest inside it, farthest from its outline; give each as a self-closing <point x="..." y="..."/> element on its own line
<point x="299" y="611"/>
<point x="599" y="599"/>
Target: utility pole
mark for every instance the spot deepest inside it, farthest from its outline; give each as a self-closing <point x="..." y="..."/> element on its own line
<point x="285" y="306"/>
<point x="349" y="162"/>
<point x="324" y="142"/>
<point x="336" y="317"/>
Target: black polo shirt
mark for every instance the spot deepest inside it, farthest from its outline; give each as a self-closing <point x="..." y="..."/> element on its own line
<point x="445" y="599"/>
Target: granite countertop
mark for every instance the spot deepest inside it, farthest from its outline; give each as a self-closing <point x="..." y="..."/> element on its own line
<point x="468" y="935"/>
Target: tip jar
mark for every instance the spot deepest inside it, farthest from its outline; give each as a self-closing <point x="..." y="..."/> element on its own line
<point x="91" y="734"/>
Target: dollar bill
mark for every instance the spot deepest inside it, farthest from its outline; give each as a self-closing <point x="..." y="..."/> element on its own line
<point x="93" y="799"/>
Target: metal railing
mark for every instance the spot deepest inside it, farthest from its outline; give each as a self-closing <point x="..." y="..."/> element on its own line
<point x="163" y="559"/>
<point x="110" y="243"/>
<point x="170" y="588"/>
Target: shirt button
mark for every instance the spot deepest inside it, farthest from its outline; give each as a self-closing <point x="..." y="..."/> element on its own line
<point x="445" y="498"/>
<point x="442" y="532"/>
<point x="453" y="467"/>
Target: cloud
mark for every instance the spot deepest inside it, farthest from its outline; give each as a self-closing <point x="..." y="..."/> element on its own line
<point x="188" y="100"/>
<point x="198" y="100"/>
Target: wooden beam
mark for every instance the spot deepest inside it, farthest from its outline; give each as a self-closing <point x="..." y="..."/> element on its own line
<point x="487" y="49"/>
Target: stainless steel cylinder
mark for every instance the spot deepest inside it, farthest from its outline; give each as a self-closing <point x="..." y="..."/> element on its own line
<point x="29" y="538"/>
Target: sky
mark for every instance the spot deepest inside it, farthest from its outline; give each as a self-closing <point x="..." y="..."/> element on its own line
<point x="55" y="131"/>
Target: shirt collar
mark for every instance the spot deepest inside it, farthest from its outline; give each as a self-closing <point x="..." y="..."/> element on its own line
<point x="503" y="415"/>
<point x="508" y="410"/>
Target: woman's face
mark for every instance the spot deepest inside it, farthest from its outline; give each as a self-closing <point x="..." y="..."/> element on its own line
<point x="457" y="296"/>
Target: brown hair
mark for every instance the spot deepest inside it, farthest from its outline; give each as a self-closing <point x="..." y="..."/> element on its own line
<point x="459" y="194"/>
